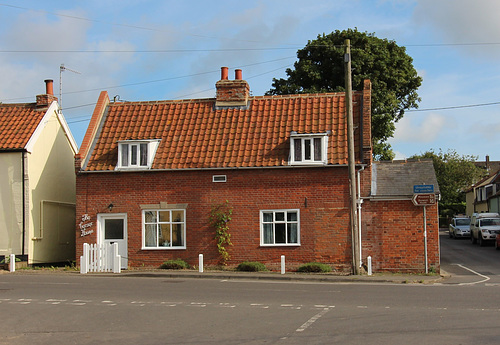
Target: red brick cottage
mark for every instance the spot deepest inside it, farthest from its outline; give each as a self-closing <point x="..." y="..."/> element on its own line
<point x="148" y="174"/>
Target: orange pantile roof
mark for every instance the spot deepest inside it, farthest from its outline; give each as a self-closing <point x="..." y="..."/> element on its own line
<point x="18" y="123"/>
<point x="195" y="134"/>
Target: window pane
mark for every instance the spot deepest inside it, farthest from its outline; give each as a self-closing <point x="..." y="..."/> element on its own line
<point x="297" y="143"/>
<point x="124" y="148"/>
<point x="164" y="240"/>
<point x="150" y="235"/>
<point x="279" y="236"/>
<point x="317" y="149"/>
<point x="292" y="233"/>
<point x="307" y="149"/>
<point x="113" y="229"/>
<point x="164" y="216"/>
<point x="291" y="216"/>
<point x="150" y="216"/>
<point x="280" y="216"/>
<point x="177" y="233"/>
<point x="267" y="216"/>
<point x="177" y="216"/>
<point x="144" y="154"/>
<point x="133" y="154"/>
<point x="268" y="233"/>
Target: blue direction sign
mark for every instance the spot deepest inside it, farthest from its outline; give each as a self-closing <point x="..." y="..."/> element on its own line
<point x="423" y="188"/>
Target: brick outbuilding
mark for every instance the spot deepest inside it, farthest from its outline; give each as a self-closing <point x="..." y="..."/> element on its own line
<point x="149" y="173"/>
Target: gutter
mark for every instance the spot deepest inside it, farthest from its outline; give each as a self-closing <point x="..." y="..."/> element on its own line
<point x="362" y="166"/>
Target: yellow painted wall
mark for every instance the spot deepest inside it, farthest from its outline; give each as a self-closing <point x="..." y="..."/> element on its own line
<point x="469" y="202"/>
<point x="11" y="203"/>
<point x="52" y="196"/>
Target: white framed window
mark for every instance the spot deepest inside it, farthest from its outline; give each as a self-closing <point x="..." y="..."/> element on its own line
<point x="308" y="148"/>
<point x="279" y="227"/>
<point x="164" y="229"/>
<point x="134" y="154"/>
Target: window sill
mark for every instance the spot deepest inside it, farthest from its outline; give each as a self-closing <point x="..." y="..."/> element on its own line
<point x="163" y="248"/>
<point x="132" y="168"/>
<point x="308" y="163"/>
<point x="281" y="245"/>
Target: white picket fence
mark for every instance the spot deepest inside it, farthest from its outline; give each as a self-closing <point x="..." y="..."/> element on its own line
<point x="100" y="258"/>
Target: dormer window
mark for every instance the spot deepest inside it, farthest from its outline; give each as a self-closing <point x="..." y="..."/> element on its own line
<point x="136" y="154"/>
<point x="308" y="148"/>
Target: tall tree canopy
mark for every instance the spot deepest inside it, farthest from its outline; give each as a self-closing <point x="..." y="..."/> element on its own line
<point x="454" y="174"/>
<point x="320" y="68"/>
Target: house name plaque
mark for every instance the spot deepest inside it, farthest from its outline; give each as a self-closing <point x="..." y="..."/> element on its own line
<point x="85" y="224"/>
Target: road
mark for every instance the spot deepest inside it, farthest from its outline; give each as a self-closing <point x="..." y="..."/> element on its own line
<point x="91" y="309"/>
<point x="469" y="263"/>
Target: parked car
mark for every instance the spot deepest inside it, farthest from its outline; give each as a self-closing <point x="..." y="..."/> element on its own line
<point x="484" y="228"/>
<point x="497" y="243"/>
<point x="459" y="227"/>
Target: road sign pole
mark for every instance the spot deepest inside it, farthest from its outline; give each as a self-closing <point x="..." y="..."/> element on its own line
<point x="425" y="242"/>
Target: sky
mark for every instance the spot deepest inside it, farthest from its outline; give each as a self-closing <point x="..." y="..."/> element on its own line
<point x="140" y="50"/>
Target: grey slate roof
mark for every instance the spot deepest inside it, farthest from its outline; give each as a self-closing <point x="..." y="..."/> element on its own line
<point x="396" y="178"/>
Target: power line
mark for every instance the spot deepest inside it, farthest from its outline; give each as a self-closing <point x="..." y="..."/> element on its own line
<point x="455" y="107"/>
<point x="116" y="24"/>
<point x="149" y="51"/>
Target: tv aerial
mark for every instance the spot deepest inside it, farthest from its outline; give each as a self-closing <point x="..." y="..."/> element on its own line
<point x="63" y="68"/>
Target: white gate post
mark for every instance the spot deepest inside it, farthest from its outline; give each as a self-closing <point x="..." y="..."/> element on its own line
<point x="117" y="265"/>
<point x="84" y="259"/>
<point x="12" y="262"/>
<point x="282" y="264"/>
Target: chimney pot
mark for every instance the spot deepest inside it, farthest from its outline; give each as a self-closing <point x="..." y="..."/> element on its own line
<point x="238" y="74"/>
<point x="49" y="87"/>
<point x="224" y="73"/>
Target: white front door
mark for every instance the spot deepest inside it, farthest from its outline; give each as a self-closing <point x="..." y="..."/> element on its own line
<point x="112" y="228"/>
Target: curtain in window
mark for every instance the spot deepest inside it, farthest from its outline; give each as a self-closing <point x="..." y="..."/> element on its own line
<point x="150" y="235"/>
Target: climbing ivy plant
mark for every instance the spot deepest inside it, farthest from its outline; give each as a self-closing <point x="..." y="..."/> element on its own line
<point x="220" y="216"/>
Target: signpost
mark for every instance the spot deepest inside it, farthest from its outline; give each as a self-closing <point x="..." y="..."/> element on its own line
<point x="423" y="195"/>
<point x="425" y="199"/>
<point x="423" y="188"/>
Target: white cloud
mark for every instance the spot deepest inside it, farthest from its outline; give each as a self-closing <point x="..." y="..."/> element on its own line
<point x="463" y="21"/>
<point x="420" y="130"/>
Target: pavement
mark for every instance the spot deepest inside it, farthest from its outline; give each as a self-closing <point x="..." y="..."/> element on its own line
<point x="396" y="278"/>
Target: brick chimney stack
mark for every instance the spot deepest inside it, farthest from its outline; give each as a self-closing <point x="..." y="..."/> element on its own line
<point x="46" y="99"/>
<point x="232" y="93"/>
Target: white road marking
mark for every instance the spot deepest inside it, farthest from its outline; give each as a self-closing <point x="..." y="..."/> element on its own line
<point x="312" y="320"/>
<point x="486" y="278"/>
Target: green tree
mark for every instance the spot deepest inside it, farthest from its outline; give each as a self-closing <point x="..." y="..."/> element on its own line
<point x="320" y="68"/>
<point x="454" y="174"/>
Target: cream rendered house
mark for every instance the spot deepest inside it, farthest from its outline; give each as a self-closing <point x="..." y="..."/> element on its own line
<point x="37" y="181"/>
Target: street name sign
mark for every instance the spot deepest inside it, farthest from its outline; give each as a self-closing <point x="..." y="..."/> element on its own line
<point x="423" y="188"/>
<point x="424" y="199"/>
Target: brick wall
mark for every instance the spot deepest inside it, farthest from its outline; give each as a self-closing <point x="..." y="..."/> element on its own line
<point x="320" y="194"/>
<point x="393" y="235"/>
<point x="392" y="231"/>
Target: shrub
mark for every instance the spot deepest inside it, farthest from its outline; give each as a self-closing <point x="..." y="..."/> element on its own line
<point x="178" y="264"/>
<point x="249" y="266"/>
<point x="314" y="267"/>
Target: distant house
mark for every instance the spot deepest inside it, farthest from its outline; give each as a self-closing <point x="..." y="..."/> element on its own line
<point x="37" y="182"/>
<point x="149" y="173"/>
<point x="484" y="196"/>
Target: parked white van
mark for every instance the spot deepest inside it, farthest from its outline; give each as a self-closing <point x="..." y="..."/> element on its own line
<point x="484" y="227"/>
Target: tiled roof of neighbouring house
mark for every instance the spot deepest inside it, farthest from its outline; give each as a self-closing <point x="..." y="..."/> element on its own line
<point x="17" y="124"/>
<point x="397" y="178"/>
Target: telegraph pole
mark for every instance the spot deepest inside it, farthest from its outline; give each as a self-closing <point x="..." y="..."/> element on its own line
<point x="351" y="161"/>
